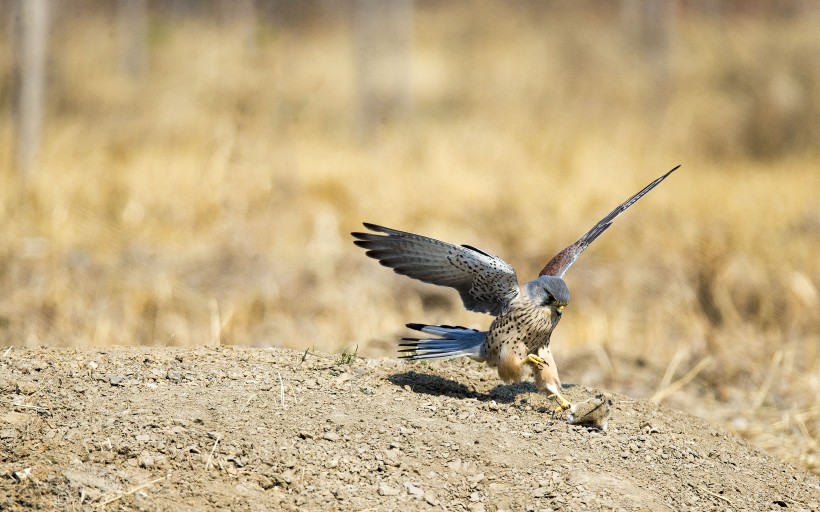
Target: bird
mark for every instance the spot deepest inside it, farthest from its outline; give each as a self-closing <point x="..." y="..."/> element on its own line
<point x="517" y="341"/>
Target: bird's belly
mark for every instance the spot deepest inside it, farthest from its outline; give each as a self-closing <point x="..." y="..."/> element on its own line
<point x="512" y="337"/>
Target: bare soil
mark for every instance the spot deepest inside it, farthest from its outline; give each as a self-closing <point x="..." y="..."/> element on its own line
<point x="260" y="429"/>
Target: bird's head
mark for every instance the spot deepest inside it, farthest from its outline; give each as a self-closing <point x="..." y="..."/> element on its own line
<point x="549" y="292"/>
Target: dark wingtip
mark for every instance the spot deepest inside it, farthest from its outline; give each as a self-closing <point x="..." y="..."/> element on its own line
<point x="373" y="227"/>
<point x="672" y="170"/>
<point x="415" y="327"/>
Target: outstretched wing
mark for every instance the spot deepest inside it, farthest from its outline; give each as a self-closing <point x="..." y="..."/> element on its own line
<point x="486" y="283"/>
<point x="561" y="262"/>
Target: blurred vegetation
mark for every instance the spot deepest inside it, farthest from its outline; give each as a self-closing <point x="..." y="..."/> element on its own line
<point x="207" y="197"/>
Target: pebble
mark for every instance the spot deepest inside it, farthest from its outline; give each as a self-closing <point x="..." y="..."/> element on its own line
<point x="413" y="489"/>
<point x="27" y="387"/>
<point x="116" y="380"/>
<point x="331" y="436"/>
<point x="540" y="492"/>
<point x="8" y="433"/>
<point x="386" y="490"/>
<point x="174" y="376"/>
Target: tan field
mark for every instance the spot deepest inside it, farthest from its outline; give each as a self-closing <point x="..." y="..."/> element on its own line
<point x="209" y="200"/>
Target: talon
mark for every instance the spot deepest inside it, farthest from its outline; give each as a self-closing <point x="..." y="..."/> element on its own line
<point x="534" y="359"/>
<point x="563" y="404"/>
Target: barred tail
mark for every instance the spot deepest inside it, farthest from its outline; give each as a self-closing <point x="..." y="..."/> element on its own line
<point x="452" y="342"/>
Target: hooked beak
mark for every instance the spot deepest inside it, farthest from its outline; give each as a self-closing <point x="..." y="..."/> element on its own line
<point x="559" y="311"/>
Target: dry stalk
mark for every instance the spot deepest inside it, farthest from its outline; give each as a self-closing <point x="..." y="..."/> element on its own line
<point x="671" y="369"/>
<point x="246" y="403"/>
<point x="767" y="384"/>
<point x="216" y="326"/>
<point x="281" y="391"/>
<point x="678" y="384"/>
<point x="211" y="455"/>
<point x="716" y="495"/>
<point x="132" y="490"/>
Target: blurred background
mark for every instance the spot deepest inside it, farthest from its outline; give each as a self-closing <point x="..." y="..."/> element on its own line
<point x="179" y="172"/>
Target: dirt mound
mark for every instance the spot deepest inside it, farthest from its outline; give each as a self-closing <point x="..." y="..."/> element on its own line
<point x="259" y="429"/>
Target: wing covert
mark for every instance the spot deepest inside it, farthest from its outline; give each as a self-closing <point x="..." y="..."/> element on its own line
<point x="485" y="283"/>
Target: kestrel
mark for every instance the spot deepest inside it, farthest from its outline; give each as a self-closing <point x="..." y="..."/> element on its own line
<point x="518" y="339"/>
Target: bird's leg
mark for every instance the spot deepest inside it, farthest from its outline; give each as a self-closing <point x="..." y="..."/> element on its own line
<point x="563" y="404"/>
<point x="549" y="381"/>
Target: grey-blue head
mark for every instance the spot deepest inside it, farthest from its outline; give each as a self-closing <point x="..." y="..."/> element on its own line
<point x="549" y="291"/>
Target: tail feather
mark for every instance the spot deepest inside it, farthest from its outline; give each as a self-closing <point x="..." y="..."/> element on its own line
<point x="452" y="342"/>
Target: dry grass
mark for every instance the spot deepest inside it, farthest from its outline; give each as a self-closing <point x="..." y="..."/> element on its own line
<point x="210" y="201"/>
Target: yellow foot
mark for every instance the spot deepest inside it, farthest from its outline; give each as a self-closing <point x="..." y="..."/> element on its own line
<point x="563" y="405"/>
<point x="534" y="359"/>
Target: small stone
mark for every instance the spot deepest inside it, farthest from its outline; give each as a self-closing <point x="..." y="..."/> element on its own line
<point x="386" y="490"/>
<point x="540" y="492"/>
<point x="174" y="376"/>
<point x="8" y="433"/>
<point x="143" y="438"/>
<point x="27" y="387"/>
<point x="22" y="475"/>
<point x="413" y="489"/>
<point x="331" y="436"/>
<point x="116" y="380"/>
